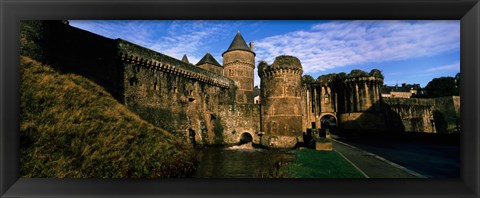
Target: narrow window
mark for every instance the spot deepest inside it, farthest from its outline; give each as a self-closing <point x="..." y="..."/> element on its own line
<point x="154" y="86"/>
<point x="133" y="81"/>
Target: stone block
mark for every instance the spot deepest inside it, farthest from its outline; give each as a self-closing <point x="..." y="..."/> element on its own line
<point x="323" y="146"/>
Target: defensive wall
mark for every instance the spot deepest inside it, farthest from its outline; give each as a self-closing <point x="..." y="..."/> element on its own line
<point x="177" y="96"/>
<point x="410" y="114"/>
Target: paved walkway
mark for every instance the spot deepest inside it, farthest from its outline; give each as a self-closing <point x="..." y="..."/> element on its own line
<point x="372" y="165"/>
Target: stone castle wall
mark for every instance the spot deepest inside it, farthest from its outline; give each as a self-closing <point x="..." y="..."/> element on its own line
<point x="212" y="68"/>
<point x="411" y="115"/>
<point x="174" y="95"/>
<point x="432" y="115"/>
<point x="240" y="119"/>
<point x="179" y="97"/>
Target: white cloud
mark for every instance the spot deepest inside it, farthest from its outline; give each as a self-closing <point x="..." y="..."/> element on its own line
<point x="454" y="66"/>
<point x="324" y="46"/>
<point x="342" y="43"/>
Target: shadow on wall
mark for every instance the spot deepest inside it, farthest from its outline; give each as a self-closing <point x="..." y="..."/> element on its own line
<point x="393" y="120"/>
<point x="72" y="50"/>
<point x="375" y="119"/>
<point x="440" y="122"/>
<point x="408" y="116"/>
<point x="217" y="129"/>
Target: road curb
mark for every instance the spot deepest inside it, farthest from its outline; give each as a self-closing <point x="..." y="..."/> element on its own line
<point x="383" y="159"/>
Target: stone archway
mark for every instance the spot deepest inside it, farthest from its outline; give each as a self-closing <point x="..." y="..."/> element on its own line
<point x="328" y="121"/>
<point x="246" y="137"/>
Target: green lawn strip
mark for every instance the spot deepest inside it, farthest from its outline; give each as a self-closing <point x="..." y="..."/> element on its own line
<point x="321" y="164"/>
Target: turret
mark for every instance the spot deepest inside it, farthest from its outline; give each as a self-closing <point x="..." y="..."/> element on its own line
<point x="185" y="59"/>
<point x="239" y="63"/>
<point x="208" y="62"/>
<point x="363" y="109"/>
<point x="281" y="102"/>
<point x="362" y="91"/>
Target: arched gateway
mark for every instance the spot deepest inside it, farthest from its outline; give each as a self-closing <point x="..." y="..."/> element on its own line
<point x="246" y="138"/>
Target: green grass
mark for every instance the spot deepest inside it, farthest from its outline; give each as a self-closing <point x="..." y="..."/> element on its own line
<point x="72" y="128"/>
<point x="321" y="164"/>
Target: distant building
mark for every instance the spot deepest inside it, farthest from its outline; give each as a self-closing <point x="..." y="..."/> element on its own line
<point x="256" y="99"/>
<point x="256" y="95"/>
<point x="405" y="91"/>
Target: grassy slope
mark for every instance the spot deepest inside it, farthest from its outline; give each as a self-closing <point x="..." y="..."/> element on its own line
<point x="321" y="164"/>
<point x="72" y="128"/>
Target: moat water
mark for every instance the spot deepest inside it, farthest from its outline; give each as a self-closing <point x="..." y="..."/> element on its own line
<point x="243" y="161"/>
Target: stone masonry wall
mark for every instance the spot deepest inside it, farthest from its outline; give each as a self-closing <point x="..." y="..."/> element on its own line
<point x="213" y="68"/>
<point x="179" y="97"/>
<point x="241" y="118"/>
<point x="410" y="115"/>
<point x="281" y="102"/>
<point x="174" y="95"/>
<point x="447" y="114"/>
<point x="238" y="66"/>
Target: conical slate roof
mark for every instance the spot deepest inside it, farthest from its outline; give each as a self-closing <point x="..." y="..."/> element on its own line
<point x="185" y="59"/>
<point x="208" y="58"/>
<point x="238" y="43"/>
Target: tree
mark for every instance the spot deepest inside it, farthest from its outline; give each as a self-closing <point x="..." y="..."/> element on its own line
<point x="457" y="80"/>
<point x="443" y="86"/>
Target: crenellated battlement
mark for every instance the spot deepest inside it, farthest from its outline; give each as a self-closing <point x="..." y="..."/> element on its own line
<point x="279" y="71"/>
<point x="282" y="65"/>
<point x="360" y="80"/>
<point x="413" y="103"/>
<point x="156" y="65"/>
<point x="149" y="59"/>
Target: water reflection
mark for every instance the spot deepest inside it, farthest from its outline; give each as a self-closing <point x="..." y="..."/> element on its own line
<point x="241" y="161"/>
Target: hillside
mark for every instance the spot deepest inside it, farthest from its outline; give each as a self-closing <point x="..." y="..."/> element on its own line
<point x="72" y="128"/>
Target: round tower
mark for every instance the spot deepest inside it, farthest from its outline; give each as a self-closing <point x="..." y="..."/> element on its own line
<point x="281" y="117"/>
<point x="363" y="91"/>
<point x="363" y="109"/>
<point x="239" y="63"/>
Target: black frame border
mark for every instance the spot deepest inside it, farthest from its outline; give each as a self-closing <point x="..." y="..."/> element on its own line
<point x="12" y="11"/>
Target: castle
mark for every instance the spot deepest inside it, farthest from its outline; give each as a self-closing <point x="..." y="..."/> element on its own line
<point x="212" y="103"/>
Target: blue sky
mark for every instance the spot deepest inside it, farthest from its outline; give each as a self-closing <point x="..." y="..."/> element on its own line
<point x="405" y="51"/>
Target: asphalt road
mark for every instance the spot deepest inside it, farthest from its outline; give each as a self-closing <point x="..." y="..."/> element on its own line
<point x="432" y="160"/>
<point x="370" y="165"/>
